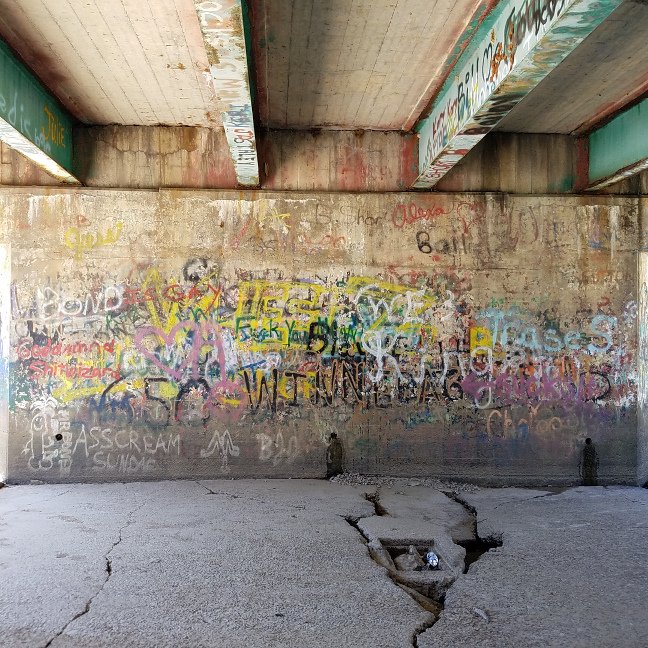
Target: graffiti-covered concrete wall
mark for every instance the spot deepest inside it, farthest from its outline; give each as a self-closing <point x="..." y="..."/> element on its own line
<point x="642" y="361"/>
<point x="191" y="334"/>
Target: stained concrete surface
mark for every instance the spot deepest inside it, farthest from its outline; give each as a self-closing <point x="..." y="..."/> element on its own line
<point x="284" y="563"/>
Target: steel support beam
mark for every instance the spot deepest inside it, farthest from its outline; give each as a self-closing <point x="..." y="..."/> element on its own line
<point x="619" y="149"/>
<point x="32" y="121"/>
<point x="225" y="31"/>
<point x="518" y="45"/>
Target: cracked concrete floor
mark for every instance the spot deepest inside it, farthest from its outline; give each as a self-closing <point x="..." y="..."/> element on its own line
<point x="276" y="563"/>
<point x="572" y="572"/>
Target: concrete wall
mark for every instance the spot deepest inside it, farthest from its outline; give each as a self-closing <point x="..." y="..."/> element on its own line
<point x="148" y="157"/>
<point x="5" y="328"/>
<point x="642" y="354"/>
<point x="184" y="334"/>
<point x="140" y="157"/>
<point x="338" y="160"/>
<point x="516" y="163"/>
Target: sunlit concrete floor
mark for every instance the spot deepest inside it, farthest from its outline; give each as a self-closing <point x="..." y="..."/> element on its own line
<point x="287" y="563"/>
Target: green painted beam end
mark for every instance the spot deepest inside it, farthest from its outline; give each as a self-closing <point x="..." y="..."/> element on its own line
<point x="33" y="121"/>
<point x="618" y="149"/>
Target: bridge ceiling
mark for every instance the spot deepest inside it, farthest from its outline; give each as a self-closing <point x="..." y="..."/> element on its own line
<point x="351" y="64"/>
<point x="116" y="62"/>
<point x="316" y="64"/>
<point x="608" y="70"/>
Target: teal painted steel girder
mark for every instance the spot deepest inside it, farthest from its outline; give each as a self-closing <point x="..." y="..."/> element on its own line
<point x="620" y="148"/>
<point x="519" y="44"/>
<point x="31" y="120"/>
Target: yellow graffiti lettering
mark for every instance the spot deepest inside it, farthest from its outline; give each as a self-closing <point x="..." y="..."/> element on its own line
<point x="81" y="242"/>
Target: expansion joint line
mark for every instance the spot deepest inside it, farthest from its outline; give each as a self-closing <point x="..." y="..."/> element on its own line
<point x="108" y="572"/>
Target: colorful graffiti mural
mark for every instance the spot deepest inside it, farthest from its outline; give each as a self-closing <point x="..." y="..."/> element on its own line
<point x="162" y="354"/>
<point x="403" y="325"/>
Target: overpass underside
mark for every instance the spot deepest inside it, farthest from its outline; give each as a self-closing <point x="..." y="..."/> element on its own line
<point x="451" y="294"/>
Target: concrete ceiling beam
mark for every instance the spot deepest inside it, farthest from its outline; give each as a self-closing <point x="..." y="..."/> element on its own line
<point x="515" y="48"/>
<point x="619" y="149"/>
<point x="32" y="122"/>
<point x="224" y="27"/>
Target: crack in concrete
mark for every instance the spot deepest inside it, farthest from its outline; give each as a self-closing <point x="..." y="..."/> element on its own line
<point x="553" y="493"/>
<point x="374" y="498"/>
<point x="633" y="501"/>
<point x="108" y="570"/>
<point x="481" y="544"/>
<point x="44" y="501"/>
<point x="420" y="629"/>
<point x="230" y="495"/>
<point x="353" y="521"/>
<point x="487" y="542"/>
<point x="423" y="601"/>
<point x="209" y="490"/>
<point x="455" y="497"/>
<point x="299" y="507"/>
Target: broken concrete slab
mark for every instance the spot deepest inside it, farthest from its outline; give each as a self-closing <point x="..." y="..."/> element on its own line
<point x="277" y="563"/>
<point x="571" y="572"/>
<point x="261" y="563"/>
<point x="430" y="506"/>
<point x="421" y="516"/>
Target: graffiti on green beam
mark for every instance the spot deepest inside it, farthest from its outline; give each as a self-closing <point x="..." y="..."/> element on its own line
<point x="518" y="46"/>
<point x="223" y="26"/>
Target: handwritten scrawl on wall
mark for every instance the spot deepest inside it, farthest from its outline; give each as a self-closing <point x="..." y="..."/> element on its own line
<point x="210" y="368"/>
<point x="167" y="353"/>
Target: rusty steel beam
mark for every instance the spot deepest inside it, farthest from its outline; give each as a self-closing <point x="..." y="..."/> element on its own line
<point x="224" y="27"/>
<point x="517" y="46"/>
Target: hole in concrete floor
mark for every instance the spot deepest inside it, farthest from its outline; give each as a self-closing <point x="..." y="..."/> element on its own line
<point x="400" y="550"/>
<point x="429" y="595"/>
<point x="374" y="498"/>
<point x="475" y="549"/>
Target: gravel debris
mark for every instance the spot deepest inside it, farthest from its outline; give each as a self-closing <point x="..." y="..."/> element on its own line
<point x="356" y="479"/>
